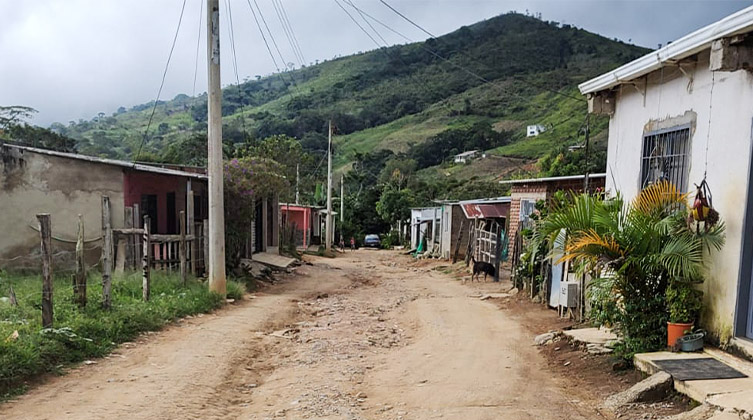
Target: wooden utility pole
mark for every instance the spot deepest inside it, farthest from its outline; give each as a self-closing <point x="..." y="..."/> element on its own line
<point x="106" y="252"/>
<point x="214" y="156"/>
<point x="45" y="233"/>
<point x="328" y="239"/>
<point x="342" y="207"/>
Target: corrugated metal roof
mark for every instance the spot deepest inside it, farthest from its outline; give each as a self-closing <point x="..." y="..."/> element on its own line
<point x="484" y="211"/>
<point x="121" y="163"/>
<point x="551" y="179"/>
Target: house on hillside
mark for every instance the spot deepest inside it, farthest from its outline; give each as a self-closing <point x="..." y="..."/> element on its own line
<point x="682" y="113"/>
<point x="466" y="157"/>
<point x="534" y="130"/>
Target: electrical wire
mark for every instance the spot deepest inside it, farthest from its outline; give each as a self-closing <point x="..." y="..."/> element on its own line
<point x="198" y="43"/>
<point x="274" y="42"/>
<point x="295" y="39"/>
<point x="385" y="50"/>
<point x="235" y="67"/>
<point x="261" y="31"/>
<point x="287" y="32"/>
<point x="162" y="84"/>
<point x="470" y="58"/>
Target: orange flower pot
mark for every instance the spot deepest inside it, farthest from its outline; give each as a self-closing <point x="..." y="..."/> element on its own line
<point x="676" y="330"/>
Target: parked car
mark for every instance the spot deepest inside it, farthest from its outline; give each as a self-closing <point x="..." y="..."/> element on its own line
<point x="372" y="241"/>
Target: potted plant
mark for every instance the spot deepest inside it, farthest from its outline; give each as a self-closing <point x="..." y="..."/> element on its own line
<point x="684" y="303"/>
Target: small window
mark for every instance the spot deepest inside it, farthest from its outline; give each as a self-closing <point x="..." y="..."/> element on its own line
<point x="665" y="157"/>
<point x="527" y="207"/>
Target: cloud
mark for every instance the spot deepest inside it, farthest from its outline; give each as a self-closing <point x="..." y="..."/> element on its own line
<point x="72" y="59"/>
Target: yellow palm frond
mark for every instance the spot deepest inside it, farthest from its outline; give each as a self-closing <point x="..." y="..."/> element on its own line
<point x="590" y="246"/>
<point x="659" y="196"/>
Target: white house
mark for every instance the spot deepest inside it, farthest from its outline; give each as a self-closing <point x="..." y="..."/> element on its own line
<point x="680" y="112"/>
<point x="466" y="156"/>
<point x="423" y="225"/>
<point x="535" y="130"/>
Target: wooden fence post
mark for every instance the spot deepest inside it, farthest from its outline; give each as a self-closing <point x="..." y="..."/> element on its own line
<point x="191" y="230"/>
<point x="498" y="253"/>
<point x="130" y="262"/>
<point x="205" y="239"/>
<point x="182" y="249"/>
<point x="106" y="253"/>
<point x="136" y="238"/>
<point x="457" y="242"/>
<point x="146" y="281"/>
<point x="471" y="240"/>
<point x="46" y="240"/>
<point x="79" y="283"/>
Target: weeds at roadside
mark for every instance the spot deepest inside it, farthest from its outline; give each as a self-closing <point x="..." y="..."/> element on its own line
<point x="27" y="350"/>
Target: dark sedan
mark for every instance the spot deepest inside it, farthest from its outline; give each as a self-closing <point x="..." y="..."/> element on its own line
<point x="372" y="241"/>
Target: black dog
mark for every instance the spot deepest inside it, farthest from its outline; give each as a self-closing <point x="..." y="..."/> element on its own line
<point x="482" y="267"/>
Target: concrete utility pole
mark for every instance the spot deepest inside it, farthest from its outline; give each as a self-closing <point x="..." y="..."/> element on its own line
<point x="297" y="181"/>
<point x="328" y="239"/>
<point x="214" y="156"/>
<point x="342" y="206"/>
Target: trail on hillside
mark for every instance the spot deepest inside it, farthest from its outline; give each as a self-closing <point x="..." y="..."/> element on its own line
<point x="368" y="335"/>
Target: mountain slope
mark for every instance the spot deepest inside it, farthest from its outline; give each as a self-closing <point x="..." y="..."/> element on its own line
<point x="393" y="97"/>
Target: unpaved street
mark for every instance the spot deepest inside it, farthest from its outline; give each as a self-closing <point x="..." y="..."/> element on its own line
<point x="368" y="335"/>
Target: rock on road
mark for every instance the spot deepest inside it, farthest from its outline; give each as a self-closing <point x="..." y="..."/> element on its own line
<point x="368" y="335"/>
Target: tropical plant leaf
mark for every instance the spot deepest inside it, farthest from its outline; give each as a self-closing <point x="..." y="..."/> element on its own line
<point x="659" y="197"/>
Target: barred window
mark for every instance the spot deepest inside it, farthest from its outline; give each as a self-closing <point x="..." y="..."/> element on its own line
<point x="665" y="157"/>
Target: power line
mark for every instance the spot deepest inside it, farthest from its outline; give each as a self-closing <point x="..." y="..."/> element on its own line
<point x="235" y="67"/>
<point x="261" y="31"/>
<point x="287" y="32"/>
<point x="198" y="42"/>
<point x="385" y="50"/>
<point x="274" y="42"/>
<point x="271" y="54"/>
<point x="295" y="39"/>
<point x="162" y="84"/>
<point x="470" y="58"/>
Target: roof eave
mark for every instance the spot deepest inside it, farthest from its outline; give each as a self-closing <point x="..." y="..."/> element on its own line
<point x="693" y="43"/>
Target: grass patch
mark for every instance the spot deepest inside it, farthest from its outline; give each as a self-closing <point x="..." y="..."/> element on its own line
<point x="81" y="334"/>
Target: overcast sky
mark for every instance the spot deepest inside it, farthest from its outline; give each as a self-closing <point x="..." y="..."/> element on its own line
<point x="74" y="58"/>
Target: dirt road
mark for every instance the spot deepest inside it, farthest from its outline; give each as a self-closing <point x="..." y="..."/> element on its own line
<point x="368" y="335"/>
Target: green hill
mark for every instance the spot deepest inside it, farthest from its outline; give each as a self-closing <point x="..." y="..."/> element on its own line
<point x="394" y="98"/>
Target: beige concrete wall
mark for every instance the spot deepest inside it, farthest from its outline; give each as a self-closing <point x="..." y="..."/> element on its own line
<point x="33" y="183"/>
<point x="671" y="96"/>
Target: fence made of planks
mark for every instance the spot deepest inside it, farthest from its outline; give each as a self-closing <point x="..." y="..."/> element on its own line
<point x="128" y="248"/>
<point x="486" y="243"/>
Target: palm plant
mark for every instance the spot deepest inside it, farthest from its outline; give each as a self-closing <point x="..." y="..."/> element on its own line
<point x="636" y="249"/>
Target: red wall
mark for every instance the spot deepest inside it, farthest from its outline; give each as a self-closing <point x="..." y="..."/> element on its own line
<point x="137" y="183"/>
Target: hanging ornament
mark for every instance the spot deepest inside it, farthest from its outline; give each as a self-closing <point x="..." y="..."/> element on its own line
<point x="703" y="209"/>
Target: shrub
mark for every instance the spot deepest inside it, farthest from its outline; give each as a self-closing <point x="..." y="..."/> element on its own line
<point x="643" y="247"/>
<point x="684" y="303"/>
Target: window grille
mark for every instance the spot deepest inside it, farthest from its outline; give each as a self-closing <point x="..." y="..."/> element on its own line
<point x="665" y="157"/>
<point x="527" y="207"/>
